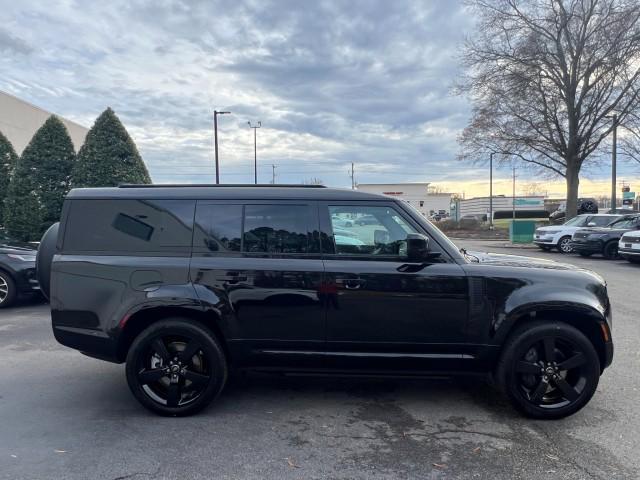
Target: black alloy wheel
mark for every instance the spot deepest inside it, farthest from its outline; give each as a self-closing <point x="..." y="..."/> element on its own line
<point x="610" y="251"/>
<point x="176" y="367"/>
<point x="549" y="370"/>
<point x="564" y="245"/>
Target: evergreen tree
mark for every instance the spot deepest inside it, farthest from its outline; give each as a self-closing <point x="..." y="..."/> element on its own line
<point x="8" y="161"/>
<point x="40" y="182"/>
<point x="109" y="156"/>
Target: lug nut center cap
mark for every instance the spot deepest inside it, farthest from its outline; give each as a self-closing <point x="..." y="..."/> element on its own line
<point x="175" y="368"/>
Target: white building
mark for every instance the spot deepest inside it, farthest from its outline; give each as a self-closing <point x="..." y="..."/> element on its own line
<point x="19" y="120"/>
<point x="480" y="205"/>
<point x="416" y="194"/>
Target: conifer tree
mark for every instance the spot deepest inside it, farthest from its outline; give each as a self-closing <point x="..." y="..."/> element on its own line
<point x="109" y="156"/>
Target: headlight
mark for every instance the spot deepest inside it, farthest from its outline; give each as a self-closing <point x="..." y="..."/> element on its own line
<point x="22" y="258"/>
<point x="551" y="232"/>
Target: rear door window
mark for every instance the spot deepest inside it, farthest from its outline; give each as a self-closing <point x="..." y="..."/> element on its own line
<point x="218" y="228"/>
<point x="279" y="229"/>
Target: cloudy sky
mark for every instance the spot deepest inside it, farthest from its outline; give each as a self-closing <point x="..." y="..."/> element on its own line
<point x="333" y="82"/>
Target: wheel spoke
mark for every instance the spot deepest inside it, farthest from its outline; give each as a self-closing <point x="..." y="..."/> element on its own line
<point x="549" y="349"/>
<point x="198" y="379"/>
<point x="150" y="376"/>
<point x="540" y="390"/>
<point x="528" y="368"/>
<point x="190" y="350"/>
<point x="567" y="390"/>
<point x="174" y="395"/>
<point x="160" y="348"/>
<point x="573" y="362"/>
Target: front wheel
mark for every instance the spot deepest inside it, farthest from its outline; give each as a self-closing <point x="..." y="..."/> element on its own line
<point x="548" y="370"/>
<point x="564" y="245"/>
<point x="176" y="367"/>
<point x="610" y="251"/>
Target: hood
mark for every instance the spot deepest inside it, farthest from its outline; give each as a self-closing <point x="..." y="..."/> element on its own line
<point x="603" y="230"/>
<point x="16" y="247"/>
<point x="519" y="261"/>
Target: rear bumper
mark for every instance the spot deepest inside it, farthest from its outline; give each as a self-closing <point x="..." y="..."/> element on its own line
<point x="90" y="342"/>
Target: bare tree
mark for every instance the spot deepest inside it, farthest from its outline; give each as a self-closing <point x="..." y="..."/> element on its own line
<point x="313" y="181"/>
<point x="545" y="76"/>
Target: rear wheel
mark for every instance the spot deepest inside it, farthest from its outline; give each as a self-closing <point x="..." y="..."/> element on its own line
<point x="564" y="245"/>
<point x="8" y="291"/>
<point x="548" y="370"/>
<point x="176" y="367"/>
<point x="610" y="250"/>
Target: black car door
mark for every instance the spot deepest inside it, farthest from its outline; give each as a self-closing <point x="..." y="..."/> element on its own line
<point x="383" y="312"/>
<point x="257" y="266"/>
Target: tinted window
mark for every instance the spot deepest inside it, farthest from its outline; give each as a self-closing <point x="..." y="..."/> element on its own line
<point x="122" y="226"/>
<point x="601" y="221"/>
<point x="368" y="230"/>
<point x="278" y="229"/>
<point x="218" y="227"/>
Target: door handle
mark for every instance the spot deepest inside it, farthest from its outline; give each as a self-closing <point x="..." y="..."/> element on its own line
<point x="231" y="278"/>
<point x="350" y="283"/>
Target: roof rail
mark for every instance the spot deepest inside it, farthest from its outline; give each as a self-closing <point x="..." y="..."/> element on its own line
<point x="248" y="185"/>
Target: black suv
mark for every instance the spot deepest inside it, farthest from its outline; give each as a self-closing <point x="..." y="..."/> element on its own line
<point x="185" y="283"/>
<point x="604" y="240"/>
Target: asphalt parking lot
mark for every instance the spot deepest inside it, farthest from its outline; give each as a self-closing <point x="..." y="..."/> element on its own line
<point x="66" y="416"/>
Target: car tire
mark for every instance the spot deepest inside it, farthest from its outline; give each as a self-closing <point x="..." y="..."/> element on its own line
<point x="564" y="245"/>
<point x="8" y="292"/>
<point x="46" y="251"/>
<point x="176" y="367"/>
<point x="610" y="250"/>
<point x="530" y="370"/>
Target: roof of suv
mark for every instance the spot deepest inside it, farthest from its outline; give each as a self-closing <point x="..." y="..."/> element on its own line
<point x="244" y="192"/>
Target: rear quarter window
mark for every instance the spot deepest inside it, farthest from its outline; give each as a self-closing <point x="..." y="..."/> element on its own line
<point x="129" y="226"/>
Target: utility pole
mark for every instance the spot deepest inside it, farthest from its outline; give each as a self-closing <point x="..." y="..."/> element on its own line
<point x="273" y="174"/>
<point x="215" y="141"/>
<point x="614" y="161"/>
<point x="353" y="177"/>
<point x="255" y="150"/>
<point x="491" y="191"/>
<point x="513" y="198"/>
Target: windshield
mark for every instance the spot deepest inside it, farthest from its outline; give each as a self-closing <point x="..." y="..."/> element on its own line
<point x="576" y="221"/>
<point x="628" y="222"/>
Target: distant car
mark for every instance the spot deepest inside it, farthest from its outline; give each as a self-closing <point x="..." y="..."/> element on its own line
<point x="623" y="211"/>
<point x="559" y="236"/>
<point x="341" y="222"/>
<point x="588" y="241"/>
<point x="366" y="220"/>
<point x="585" y="205"/>
<point x="629" y="246"/>
<point x="17" y="270"/>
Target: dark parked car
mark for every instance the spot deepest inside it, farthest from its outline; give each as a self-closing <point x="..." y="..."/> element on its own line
<point x="585" y="205"/>
<point x="185" y="283"/>
<point x="604" y="240"/>
<point x="17" y="270"/>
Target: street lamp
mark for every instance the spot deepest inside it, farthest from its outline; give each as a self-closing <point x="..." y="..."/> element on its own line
<point x="491" y="190"/>
<point x="255" y="150"/>
<point x="215" y="141"/>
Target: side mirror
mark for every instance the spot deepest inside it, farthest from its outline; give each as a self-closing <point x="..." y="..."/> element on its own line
<point x="417" y="247"/>
<point x="591" y="224"/>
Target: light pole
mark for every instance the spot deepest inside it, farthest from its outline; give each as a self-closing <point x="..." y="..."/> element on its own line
<point x="614" y="161"/>
<point x="491" y="190"/>
<point x="215" y="141"/>
<point x="255" y="150"/>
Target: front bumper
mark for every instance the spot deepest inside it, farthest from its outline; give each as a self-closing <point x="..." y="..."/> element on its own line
<point x="587" y="246"/>
<point x="24" y="274"/>
<point x="629" y="252"/>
